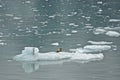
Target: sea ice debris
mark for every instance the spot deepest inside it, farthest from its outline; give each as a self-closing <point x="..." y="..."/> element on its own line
<point x="99" y="42"/>
<point x="113" y="33"/>
<point x="55" y="44"/>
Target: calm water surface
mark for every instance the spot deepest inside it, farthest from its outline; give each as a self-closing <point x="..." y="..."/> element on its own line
<point x="71" y="23"/>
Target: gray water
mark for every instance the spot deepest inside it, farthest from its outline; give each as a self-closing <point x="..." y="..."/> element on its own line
<point x="39" y="23"/>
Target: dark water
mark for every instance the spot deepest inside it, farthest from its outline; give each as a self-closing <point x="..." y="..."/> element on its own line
<point x="39" y="23"/>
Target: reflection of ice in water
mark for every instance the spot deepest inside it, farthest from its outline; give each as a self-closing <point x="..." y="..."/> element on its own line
<point x="30" y="67"/>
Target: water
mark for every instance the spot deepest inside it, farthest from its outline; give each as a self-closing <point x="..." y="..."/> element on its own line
<point x="72" y="24"/>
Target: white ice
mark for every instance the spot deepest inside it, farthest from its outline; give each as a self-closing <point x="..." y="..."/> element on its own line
<point x="96" y="48"/>
<point x="16" y="18"/>
<point x="113" y="34"/>
<point x="74" y="31"/>
<point x="55" y="44"/>
<point x="88" y="57"/>
<point x="32" y="54"/>
<point x="99" y="42"/>
<point x="114" y="20"/>
<point x="68" y="34"/>
<point x="92" y="48"/>
<point x="99" y="31"/>
<point x="107" y="32"/>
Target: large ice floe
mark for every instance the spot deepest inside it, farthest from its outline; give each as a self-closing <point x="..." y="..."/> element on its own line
<point x="32" y="54"/>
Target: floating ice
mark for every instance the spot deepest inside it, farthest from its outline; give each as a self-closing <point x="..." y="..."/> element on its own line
<point x="112" y="28"/>
<point x="46" y="0"/>
<point x="96" y="48"/>
<point x="99" y="31"/>
<point x="10" y="15"/>
<point x="88" y="26"/>
<point x="88" y="57"/>
<point x="68" y="34"/>
<point x="113" y="33"/>
<point x="114" y="20"/>
<point x="52" y="16"/>
<point x="3" y="43"/>
<point x="99" y="2"/>
<point x="34" y="27"/>
<point x="72" y="14"/>
<point x="74" y="31"/>
<point x="32" y="54"/>
<point x="55" y="44"/>
<point x="1" y="6"/>
<point x="28" y="2"/>
<point x="16" y="18"/>
<point x="100" y="42"/>
<point x="91" y="48"/>
<point x="44" y="22"/>
<point x="73" y="24"/>
<point x="107" y="31"/>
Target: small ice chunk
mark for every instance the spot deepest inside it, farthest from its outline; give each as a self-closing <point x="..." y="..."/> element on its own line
<point x="46" y="0"/>
<point x="73" y="24"/>
<point x="74" y="31"/>
<point x="99" y="2"/>
<point x="44" y="22"/>
<point x="55" y="44"/>
<point x="52" y="16"/>
<point x="10" y="15"/>
<point x="3" y="44"/>
<point x="16" y="18"/>
<point x="35" y="27"/>
<point x="78" y="44"/>
<point x="0" y="6"/>
<point x="113" y="33"/>
<point x="99" y="42"/>
<point x="112" y="28"/>
<point x="68" y="34"/>
<point x="114" y="20"/>
<point x="88" y="26"/>
<point x="99" y="31"/>
<point x="28" y="2"/>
